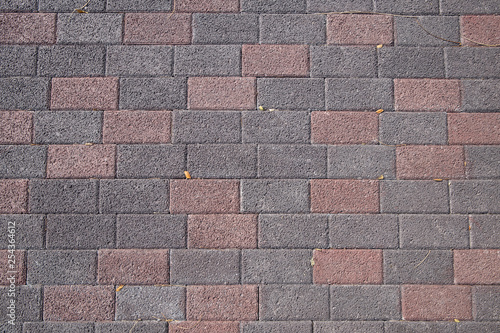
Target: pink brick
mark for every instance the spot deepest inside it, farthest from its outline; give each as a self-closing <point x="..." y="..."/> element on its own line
<point x="222" y="231"/>
<point x="133" y="267"/>
<point x="344" y="127"/>
<point x="13" y="196"/>
<point x="359" y="29"/>
<point x="81" y="161"/>
<point x="137" y="127"/>
<point x="222" y="303"/>
<point x="204" y="327"/>
<point x="17" y="127"/>
<point x="13" y="265"/>
<point x="275" y="60"/>
<point x="207" y="6"/>
<point x="347" y="266"/>
<point x="84" y="93"/>
<point x="477" y="266"/>
<point x="430" y="162"/>
<point x="344" y="196"/>
<point x="27" y="28"/>
<point x="204" y="196"/>
<point x="221" y="93"/>
<point x="484" y="29"/>
<point x="78" y="303"/>
<point x="157" y="28"/>
<point x="474" y="128"/>
<point x="421" y="302"/>
<point x="427" y="95"/>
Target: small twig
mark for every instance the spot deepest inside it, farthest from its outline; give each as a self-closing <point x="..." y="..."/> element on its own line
<point x="173" y="9"/>
<point x="435" y="36"/>
<point x="420" y="263"/>
<point x="132" y="328"/>
<point x="79" y="10"/>
<point x="385" y="144"/>
<point x="482" y="44"/>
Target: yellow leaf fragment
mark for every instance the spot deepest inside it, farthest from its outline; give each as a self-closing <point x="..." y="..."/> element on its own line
<point x="470" y="227"/>
<point x="312" y="262"/>
<point x="438" y="180"/>
<point x="379" y="46"/>
<point x="120" y="287"/>
<point x="456" y="320"/>
<point x="89" y="144"/>
<point x="380" y="177"/>
<point x="261" y="108"/>
<point x="187" y="174"/>
<point x="272" y="109"/>
<point x="81" y="11"/>
<point x="379" y="111"/>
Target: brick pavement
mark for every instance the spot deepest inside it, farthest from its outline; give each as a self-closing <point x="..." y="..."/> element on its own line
<point x="345" y="167"/>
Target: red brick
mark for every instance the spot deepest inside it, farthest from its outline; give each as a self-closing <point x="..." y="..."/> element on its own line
<point x="474" y="128"/>
<point x="221" y="93"/>
<point x="81" y="161"/>
<point x="483" y="29"/>
<point x="344" y="196"/>
<point x="204" y="327"/>
<point x="275" y="60"/>
<point x="84" y="93"/>
<point x="344" y="127"/>
<point x="17" y="127"/>
<point x="157" y="28"/>
<point x="13" y="265"/>
<point x="27" y="28"/>
<point x="477" y="266"/>
<point x="204" y="196"/>
<point x="347" y="266"/>
<point x="78" y="303"/>
<point x="359" y="29"/>
<point x="430" y="162"/>
<point x="222" y="231"/>
<point x="137" y="127"/>
<point x="427" y="95"/>
<point x="237" y="302"/>
<point x="133" y="267"/>
<point x="207" y="6"/>
<point x="13" y="196"/>
<point x="421" y="302"/>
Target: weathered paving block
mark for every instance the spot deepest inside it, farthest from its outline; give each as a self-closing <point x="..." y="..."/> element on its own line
<point x="477" y="266"/>
<point x="142" y="6"/>
<point x="65" y="127"/>
<point x="124" y="326"/>
<point x="348" y="326"/>
<point x="22" y="5"/>
<point x="472" y="62"/>
<point x="58" y="327"/>
<point x="413" y="128"/>
<point x="419" y="327"/>
<point x="414" y="196"/>
<point x="28" y="28"/>
<point x="92" y="28"/>
<point x="482" y="162"/>
<point x="486" y="300"/>
<point x="275" y="127"/>
<point x="17" y="127"/>
<point x="69" y="5"/>
<point x="18" y="60"/>
<point x="29" y="230"/>
<point x="343" y="61"/>
<point x="259" y="6"/>
<point x="13" y="196"/>
<point x="206" y="127"/>
<point x="427" y="95"/>
<point x="359" y="94"/>
<point x="361" y="161"/>
<point x="291" y="93"/>
<point x="207" y="60"/>
<point x="475" y="196"/>
<point x="84" y="93"/>
<point x="157" y="28"/>
<point x="277" y="327"/>
<point x="337" y="6"/>
<point x="408" y="32"/>
<point x="465" y="7"/>
<point x="344" y="127"/>
<point x="292" y="29"/>
<point x="480" y="95"/>
<point x="23" y="161"/>
<point x="471" y="326"/>
<point x="213" y="6"/>
<point x="407" y="6"/>
<point x="71" y="60"/>
<point x="484" y="231"/>
<point x="139" y="60"/>
<point x="158" y="93"/>
<point x="474" y="128"/>
<point x="24" y="93"/>
<point x="480" y="29"/>
<point x="275" y="60"/>
<point x="221" y="93"/>
<point x="418" y="62"/>
<point x="15" y="264"/>
<point x="359" y="29"/>
<point x="225" y="28"/>
<point x="28" y="304"/>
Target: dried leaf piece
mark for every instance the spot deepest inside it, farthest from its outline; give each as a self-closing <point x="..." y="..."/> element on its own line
<point x="456" y="320"/>
<point x="312" y="261"/>
<point x="187" y="174"/>
<point x="379" y="111"/>
<point x="379" y="46"/>
<point x="261" y="108"/>
<point x="380" y="177"/>
<point x="81" y="11"/>
<point x="438" y="180"/>
<point x="120" y="287"/>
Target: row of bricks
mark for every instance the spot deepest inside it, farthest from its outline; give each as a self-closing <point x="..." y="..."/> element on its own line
<point x="251" y="302"/>
<point x="184" y="28"/>
<point x="245" y="93"/>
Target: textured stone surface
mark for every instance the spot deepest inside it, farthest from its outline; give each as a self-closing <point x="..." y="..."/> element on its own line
<point x="343" y="61"/>
<point x="18" y="60"/>
<point x="426" y="95"/>
<point x="344" y="196"/>
<point x="361" y="161"/>
<point x="479" y="29"/>
<point x="28" y="28"/>
<point x="359" y="94"/>
<point x="292" y="29"/>
<point x="139" y="60"/>
<point x="91" y="28"/>
<point x="472" y="62"/>
<point x="275" y="60"/>
<point x="22" y="161"/>
<point x="477" y="266"/>
<point x="207" y="60"/>
<point x="71" y="60"/>
<point x="157" y="28"/>
<point x="485" y="303"/>
<point x="84" y="93"/>
<point x="225" y="28"/>
<point x="208" y="6"/>
<point x="484" y="231"/>
<point x="13" y="196"/>
<point x="132" y="6"/>
<point x="348" y="326"/>
<point x="419" y="327"/>
<point x="275" y="127"/>
<point x="480" y="95"/>
<point x="475" y="196"/>
<point x="483" y="161"/>
<point x="348" y="127"/>
<point x="15" y="267"/>
<point x="225" y="93"/>
<point x="291" y="93"/>
<point x="474" y="128"/>
<point x="24" y="93"/>
<point x="206" y="127"/>
<point x="29" y="230"/>
<point x="413" y="128"/>
<point x="204" y="326"/>
<point x="408" y="32"/>
<point x="123" y="326"/>
<point x="28" y="304"/>
<point x="411" y="62"/>
<point x="407" y="6"/>
<point x="413" y="197"/>
<point x="57" y="327"/>
<point x="277" y="327"/>
<point x="153" y="93"/>
<point x="17" y="127"/>
<point x="359" y="29"/>
<point x="67" y="127"/>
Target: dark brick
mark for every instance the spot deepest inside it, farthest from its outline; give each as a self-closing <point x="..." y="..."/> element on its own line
<point x="67" y="127"/>
<point x="24" y="93"/>
<point x="348" y="326"/>
<point x="70" y="5"/>
<point x="93" y="28"/>
<point x="17" y="60"/>
<point x="480" y="95"/>
<point x="142" y="6"/>
<point x="28" y="304"/>
<point x="276" y="327"/>
<point x="14" y="262"/>
<point x="467" y="7"/>
<point x="408" y="32"/>
<point x="482" y="161"/>
<point x="291" y="93"/>
<point x="411" y="62"/>
<point x="419" y="327"/>
<point x="134" y="326"/>
<point x="261" y="6"/>
<point x="359" y="94"/>
<point x="343" y="61"/>
<point x="407" y="6"/>
<point x="29" y="230"/>
<point x="475" y="196"/>
<point x="139" y="60"/>
<point x="18" y="5"/>
<point x="472" y="62"/>
<point x="153" y="93"/>
<point x="207" y="60"/>
<point x="413" y="196"/>
<point x="292" y="29"/>
<point x="150" y="161"/>
<point x="338" y="6"/>
<point x="275" y="127"/>
<point x="206" y="127"/>
<point x="71" y="60"/>
<point x="484" y="231"/>
<point x="484" y="327"/>
<point x="157" y="28"/>
<point x="225" y="28"/>
<point x="198" y="6"/>
<point x="359" y="29"/>
<point x="413" y="128"/>
<point x="57" y="327"/>
<point x="363" y="161"/>
<point x="22" y="161"/>
<point x="486" y="303"/>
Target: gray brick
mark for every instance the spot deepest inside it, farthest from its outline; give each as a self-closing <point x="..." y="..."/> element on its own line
<point x="343" y="61"/>
<point x="348" y="327"/>
<point x="276" y="266"/>
<point x="469" y="7"/>
<point x="292" y="161"/>
<point x="407" y="6"/>
<point x="206" y="127"/>
<point x="29" y="230"/>
<point x="276" y="327"/>
<point x="291" y="94"/>
<point x="150" y="161"/>
<point x="207" y="60"/>
<point x="364" y="303"/>
<point x="63" y="196"/>
<point x="153" y="93"/>
<point x="22" y="161"/>
<point x="79" y="231"/>
<point x="24" y="93"/>
<point x="359" y="94"/>
<point x="134" y="196"/>
<point x="483" y="327"/>
<point x="225" y="28"/>
<point x="263" y="6"/>
<point x="338" y="5"/>
<point x="61" y="267"/>
<point x="434" y="231"/>
<point x="413" y="196"/>
<point x="292" y="29"/>
<point x="361" y="161"/>
<point x="275" y="127"/>
<point x="66" y="127"/>
<point x="483" y="161"/>
<point x="18" y="5"/>
<point x="28" y="303"/>
<point x="71" y="5"/>
<point x="363" y="231"/>
<point x="89" y="28"/>
<point x="71" y="60"/>
<point x="150" y="302"/>
<point x="137" y="60"/>
<point x="475" y="196"/>
<point x="131" y="326"/>
<point x="480" y="95"/>
<point x="413" y="128"/>
<point x="486" y="303"/>
<point x="408" y="32"/>
<point x="293" y="231"/>
<point x="293" y="302"/>
<point x="419" y="327"/>
<point x="485" y="231"/>
<point x="472" y="62"/>
<point x="222" y="161"/>
<point x="406" y="62"/>
<point x="204" y="266"/>
<point x="8" y="328"/>
<point x="275" y="196"/>
<point x="58" y="327"/>
<point x="17" y="60"/>
<point x="138" y="6"/>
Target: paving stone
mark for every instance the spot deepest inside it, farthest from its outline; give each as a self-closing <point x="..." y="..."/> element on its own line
<point x="18" y="60"/>
<point x="359" y="94"/>
<point x="292" y="29"/>
<point x="414" y="197"/>
<point x="274" y="196"/>
<point x="158" y="93"/>
<point x="471" y="62"/>
<point x="158" y="231"/>
<point x="157" y="28"/>
<point x="275" y="60"/>
<point x="291" y="93"/>
<point x="27" y="28"/>
<point x="198" y="6"/>
<point x="359" y="29"/>
<point x="462" y="6"/>
<point x="474" y="128"/>
<point x="14" y="262"/>
<point x="69" y="5"/>
<point x="363" y="231"/>
<point x="225" y="28"/>
<point x="204" y="266"/>
<point x="337" y="6"/>
<point x="58" y="327"/>
<point x="134" y="196"/>
<point x="84" y="93"/>
<point x="71" y="60"/>
<point x="64" y="127"/>
<point x="427" y="95"/>
<point x="139" y="60"/>
<point x="486" y="300"/>
<point x="481" y="29"/>
<point x="343" y="61"/>
<point x="288" y="231"/>
<point x="22" y="5"/>
<point x="482" y="161"/>
<point x="28" y="305"/>
<point x="419" y="327"/>
<point x="23" y="93"/>
<point x="413" y="128"/>
<point x="207" y="60"/>
<point x="480" y="95"/>
<point x="82" y="232"/>
<point x="344" y="127"/>
<point x="418" y="62"/>
<point x="477" y="266"/>
<point x="143" y="6"/>
<point x="17" y="127"/>
<point x="344" y="196"/>
<point x="204" y="326"/>
<point x="260" y="6"/>
<point x="293" y="302"/>
<point x="95" y="28"/>
<point x="348" y="326"/>
<point x="407" y="6"/>
<point x="364" y="303"/>
<point x="22" y="161"/>
<point x="408" y="32"/>
<point x="486" y="327"/>
<point x="484" y="231"/>
<point x="361" y="161"/>
<point x="125" y="326"/>
<point x="277" y="327"/>
<point x="206" y="127"/>
<point x="29" y="231"/>
<point x="475" y="196"/>
<point x="275" y="127"/>
<point x="221" y="93"/>
<point x="13" y="196"/>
